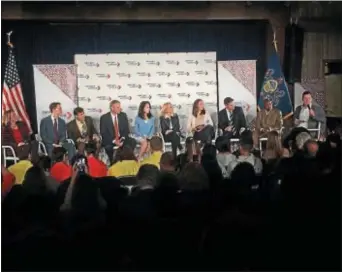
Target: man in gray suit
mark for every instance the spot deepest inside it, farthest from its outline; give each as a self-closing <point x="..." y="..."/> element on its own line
<point x="53" y="131"/>
<point x="309" y="115"/>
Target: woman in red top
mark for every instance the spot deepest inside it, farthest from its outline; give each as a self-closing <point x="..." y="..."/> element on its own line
<point x="16" y="133"/>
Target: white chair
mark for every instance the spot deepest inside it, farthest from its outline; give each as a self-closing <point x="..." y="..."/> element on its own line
<point x="13" y="157"/>
<point x="317" y="130"/>
<point x="41" y="145"/>
<point x="265" y="139"/>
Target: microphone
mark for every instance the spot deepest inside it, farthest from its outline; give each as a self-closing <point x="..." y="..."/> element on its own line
<point x="309" y="107"/>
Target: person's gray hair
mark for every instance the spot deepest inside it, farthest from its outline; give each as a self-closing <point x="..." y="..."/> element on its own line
<point x="301" y="139"/>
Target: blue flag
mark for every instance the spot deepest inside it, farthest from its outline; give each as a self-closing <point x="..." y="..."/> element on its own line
<point x="274" y="87"/>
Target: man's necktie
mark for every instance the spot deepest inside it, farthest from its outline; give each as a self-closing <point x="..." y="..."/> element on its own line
<point x="231" y="122"/>
<point x="55" y="131"/>
<point x="84" y="129"/>
<point x="116" y="128"/>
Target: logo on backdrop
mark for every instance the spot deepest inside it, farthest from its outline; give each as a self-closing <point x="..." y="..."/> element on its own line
<point x="163" y="74"/>
<point x="114" y="86"/>
<point x="154" y="85"/>
<point x="133" y="63"/>
<point x="133" y="107"/>
<point x="202" y="73"/>
<point x="191" y="62"/>
<point x="134" y="86"/>
<point x="94" y="110"/>
<point x="164" y="95"/>
<point x="143" y="74"/>
<point x="209" y="61"/>
<point x="182" y="73"/>
<point x="104" y="98"/>
<point x="211" y="82"/>
<point x="91" y="64"/>
<point x="113" y="63"/>
<point x="184" y="95"/>
<point x="145" y="96"/>
<point x="172" y="62"/>
<point x="84" y="99"/>
<point x="93" y="87"/>
<point x="103" y="75"/>
<point x="176" y="106"/>
<point x="83" y="76"/>
<point x="155" y="107"/>
<point x="125" y="97"/>
<point x="123" y="75"/>
<point x="173" y="84"/>
<point x="192" y="83"/>
<point x="67" y="115"/>
<point x="152" y="62"/>
<point x="202" y="94"/>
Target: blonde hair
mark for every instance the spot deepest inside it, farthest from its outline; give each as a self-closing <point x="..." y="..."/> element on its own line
<point x="274" y="143"/>
<point x="165" y="107"/>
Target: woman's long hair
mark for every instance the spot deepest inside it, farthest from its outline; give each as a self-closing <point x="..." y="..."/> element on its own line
<point x="164" y="108"/>
<point x="274" y="143"/>
<point x="195" y="108"/>
<point x="141" y="113"/>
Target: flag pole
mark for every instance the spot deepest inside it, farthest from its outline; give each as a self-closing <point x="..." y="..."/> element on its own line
<point x="275" y="43"/>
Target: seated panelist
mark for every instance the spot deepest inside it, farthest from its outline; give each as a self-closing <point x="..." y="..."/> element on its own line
<point x="170" y="127"/>
<point x="15" y="133"/>
<point x="144" y="127"/>
<point x="114" y="129"/>
<point x="268" y="119"/>
<point x="82" y="128"/>
<point x="53" y="131"/>
<point x="309" y="115"/>
<point x="231" y="120"/>
<point x="200" y="123"/>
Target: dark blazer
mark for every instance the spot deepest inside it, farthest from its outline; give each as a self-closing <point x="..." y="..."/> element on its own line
<point x="74" y="133"/>
<point x="165" y="124"/>
<point x="239" y="119"/>
<point x="46" y="130"/>
<point x="107" y="127"/>
<point x="313" y="121"/>
<point x="7" y="135"/>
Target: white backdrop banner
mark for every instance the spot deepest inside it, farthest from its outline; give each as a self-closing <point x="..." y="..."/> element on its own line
<point x="237" y="79"/>
<point x="55" y="83"/>
<point x="179" y="78"/>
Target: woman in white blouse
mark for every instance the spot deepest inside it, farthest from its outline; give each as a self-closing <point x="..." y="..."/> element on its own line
<point x="200" y="123"/>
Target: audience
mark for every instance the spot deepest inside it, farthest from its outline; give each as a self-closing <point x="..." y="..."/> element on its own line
<point x="167" y="162"/>
<point x="19" y="169"/>
<point x="125" y="163"/>
<point x="61" y="169"/>
<point x="206" y="209"/>
<point x="156" y="145"/>
<point x="245" y="155"/>
<point x="224" y="157"/>
<point x="96" y="167"/>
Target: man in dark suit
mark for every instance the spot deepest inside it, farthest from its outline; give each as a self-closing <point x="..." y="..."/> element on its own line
<point x="53" y="131"/>
<point x="231" y="120"/>
<point x="114" y="129"/>
<point x="82" y="128"/>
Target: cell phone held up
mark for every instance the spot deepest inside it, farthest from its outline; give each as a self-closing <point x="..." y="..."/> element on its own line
<point x="81" y="165"/>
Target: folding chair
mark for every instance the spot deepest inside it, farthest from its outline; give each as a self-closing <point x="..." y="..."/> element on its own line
<point x="41" y="145"/>
<point x="13" y="157"/>
<point x="317" y="130"/>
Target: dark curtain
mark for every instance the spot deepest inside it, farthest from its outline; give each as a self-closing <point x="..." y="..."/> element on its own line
<point x="57" y="43"/>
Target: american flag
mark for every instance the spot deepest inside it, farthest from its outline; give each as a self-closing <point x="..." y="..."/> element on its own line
<point x="12" y="96"/>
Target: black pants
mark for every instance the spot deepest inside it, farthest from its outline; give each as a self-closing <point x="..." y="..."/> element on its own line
<point x="130" y="142"/>
<point x="174" y="139"/>
<point x="205" y="135"/>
